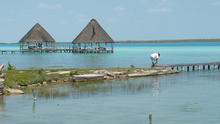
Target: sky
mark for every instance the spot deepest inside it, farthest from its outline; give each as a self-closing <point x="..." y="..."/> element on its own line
<point x="122" y="19"/>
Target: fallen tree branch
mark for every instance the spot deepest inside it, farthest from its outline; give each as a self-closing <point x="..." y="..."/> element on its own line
<point x="1" y="67"/>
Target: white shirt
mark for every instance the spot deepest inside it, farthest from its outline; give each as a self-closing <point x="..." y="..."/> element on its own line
<point x="155" y="55"/>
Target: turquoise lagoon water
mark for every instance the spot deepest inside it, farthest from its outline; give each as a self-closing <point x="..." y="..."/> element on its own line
<point x="124" y="55"/>
<point x="188" y="97"/>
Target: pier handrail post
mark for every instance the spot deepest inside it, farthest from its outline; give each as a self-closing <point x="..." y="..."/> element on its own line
<point x="150" y="118"/>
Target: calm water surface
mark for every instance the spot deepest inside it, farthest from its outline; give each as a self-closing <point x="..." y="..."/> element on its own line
<point x="189" y="97"/>
<point x="124" y="55"/>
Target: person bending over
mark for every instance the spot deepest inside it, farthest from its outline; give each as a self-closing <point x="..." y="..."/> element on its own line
<point x="154" y="58"/>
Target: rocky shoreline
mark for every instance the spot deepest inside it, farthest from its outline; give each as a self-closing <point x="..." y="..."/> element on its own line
<point x="103" y="74"/>
<point x="2" y="81"/>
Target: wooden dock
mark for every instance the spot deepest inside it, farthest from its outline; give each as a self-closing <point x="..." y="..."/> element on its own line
<point x="194" y="66"/>
<point x="10" y="51"/>
<point x="61" y="50"/>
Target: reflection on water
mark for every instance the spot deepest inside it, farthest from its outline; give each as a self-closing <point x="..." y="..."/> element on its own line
<point x="85" y="89"/>
<point x="2" y="106"/>
<point x="34" y="105"/>
<point x="155" y="86"/>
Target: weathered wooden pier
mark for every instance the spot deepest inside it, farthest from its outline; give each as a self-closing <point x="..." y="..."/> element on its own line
<point x="193" y="66"/>
<point x="64" y="49"/>
<point x="9" y="51"/>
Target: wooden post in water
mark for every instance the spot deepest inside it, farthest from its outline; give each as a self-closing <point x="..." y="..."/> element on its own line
<point x="203" y="67"/>
<point x="214" y="66"/>
<point x="150" y="118"/>
<point x="34" y="94"/>
<point x="172" y="67"/>
<point x="182" y="68"/>
<point x="218" y="66"/>
<point x="198" y="67"/>
<point x="177" y="67"/>
<point x="193" y="68"/>
<point x="187" y="68"/>
<point x="208" y="67"/>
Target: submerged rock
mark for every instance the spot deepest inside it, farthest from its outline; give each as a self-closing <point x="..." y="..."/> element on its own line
<point x="44" y="83"/>
<point x="87" y="77"/>
<point x="12" y="91"/>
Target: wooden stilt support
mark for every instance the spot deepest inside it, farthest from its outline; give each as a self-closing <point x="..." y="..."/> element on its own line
<point x="193" y="68"/>
<point x="208" y="67"/>
<point x="198" y="67"/>
<point x="214" y="66"/>
<point x="182" y="68"/>
<point x="177" y="67"/>
<point x="203" y="67"/>
<point x="172" y="67"/>
<point x="218" y="66"/>
<point x="150" y="118"/>
<point x="187" y="68"/>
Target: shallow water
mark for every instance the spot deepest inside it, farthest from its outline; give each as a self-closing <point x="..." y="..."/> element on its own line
<point x="188" y="97"/>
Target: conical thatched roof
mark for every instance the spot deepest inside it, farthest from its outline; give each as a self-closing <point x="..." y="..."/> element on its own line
<point x="37" y="34"/>
<point x="93" y="33"/>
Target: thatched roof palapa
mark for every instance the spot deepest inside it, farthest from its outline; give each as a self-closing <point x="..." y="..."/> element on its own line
<point x="93" y="33"/>
<point x="37" y="34"/>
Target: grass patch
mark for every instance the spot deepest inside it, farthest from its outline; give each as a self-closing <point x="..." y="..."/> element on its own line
<point x="73" y="73"/>
<point x="28" y="77"/>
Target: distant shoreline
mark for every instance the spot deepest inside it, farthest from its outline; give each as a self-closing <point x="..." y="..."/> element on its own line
<point x="153" y="41"/>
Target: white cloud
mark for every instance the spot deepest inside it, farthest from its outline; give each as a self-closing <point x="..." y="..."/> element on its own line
<point x="84" y="20"/>
<point x="166" y="3"/>
<point x="6" y="20"/>
<point x="46" y="6"/>
<point x="216" y="3"/>
<point x="158" y="10"/>
<point x="119" y="8"/>
<point x="144" y="1"/>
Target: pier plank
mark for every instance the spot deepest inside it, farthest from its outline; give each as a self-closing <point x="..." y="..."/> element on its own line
<point x="193" y="65"/>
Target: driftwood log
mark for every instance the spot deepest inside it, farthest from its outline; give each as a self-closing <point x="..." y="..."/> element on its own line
<point x="1" y="67"/>
<point x="1" y="74"/>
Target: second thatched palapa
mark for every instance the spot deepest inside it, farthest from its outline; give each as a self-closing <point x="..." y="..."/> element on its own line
<point x="93" y="39"/>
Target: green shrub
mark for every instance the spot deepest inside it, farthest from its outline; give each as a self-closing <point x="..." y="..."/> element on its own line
<point x="40" y="71"/>
<point x="132" y="66"/>
<point x="73" y="73"/>
<point x="10" y="67"/>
